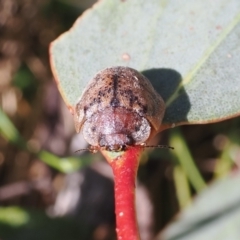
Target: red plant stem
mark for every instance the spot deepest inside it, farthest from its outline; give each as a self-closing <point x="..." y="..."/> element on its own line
<point x="125" y="166"/>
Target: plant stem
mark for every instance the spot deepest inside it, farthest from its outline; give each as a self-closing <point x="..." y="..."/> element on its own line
<point x="125" y="166"/>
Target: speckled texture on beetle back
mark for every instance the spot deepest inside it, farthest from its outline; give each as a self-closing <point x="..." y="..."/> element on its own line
<point x="119" y="90"/>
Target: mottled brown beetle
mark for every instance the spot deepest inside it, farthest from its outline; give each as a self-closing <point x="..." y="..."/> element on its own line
<point x="119" y="108"/>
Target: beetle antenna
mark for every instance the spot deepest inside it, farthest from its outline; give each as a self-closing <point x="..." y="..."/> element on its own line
<point x="91" y="149"/>
<point x="158" y="146"/>
<point x="94" y="149"/>
<point x="83" y="149"/>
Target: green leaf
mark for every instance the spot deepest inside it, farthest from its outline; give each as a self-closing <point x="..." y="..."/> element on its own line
<point x="182" y="187"/>
<point x="189" y="50"/>
<point x="214" y="215"/>
<point x="13" y="216"/>
<point x="66" y="165"/>
<point x="183" y="157"/>
<point x="9" y="132"/>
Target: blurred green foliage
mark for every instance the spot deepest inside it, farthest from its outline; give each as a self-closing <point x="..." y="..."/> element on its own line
<point x="20" y="224"/>
<point x="25" y="81"/>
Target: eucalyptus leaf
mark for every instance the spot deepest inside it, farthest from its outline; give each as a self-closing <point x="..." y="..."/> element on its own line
<point x="188" y="49"/>
<point x="214" y="215"/>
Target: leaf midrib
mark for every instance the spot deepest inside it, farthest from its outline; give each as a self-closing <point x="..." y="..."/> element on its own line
<point x="187" y="79"/>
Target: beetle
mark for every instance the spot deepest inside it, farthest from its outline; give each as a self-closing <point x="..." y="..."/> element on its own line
<point x="118" y="108"/>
